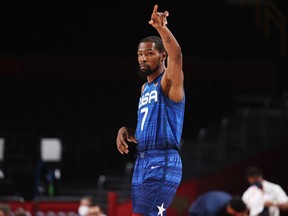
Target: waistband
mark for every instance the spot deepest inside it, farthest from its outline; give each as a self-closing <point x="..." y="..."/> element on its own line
<point x="150" y="153"/>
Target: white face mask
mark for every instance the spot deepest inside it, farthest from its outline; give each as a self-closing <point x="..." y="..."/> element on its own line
<point x="83" y="210"/>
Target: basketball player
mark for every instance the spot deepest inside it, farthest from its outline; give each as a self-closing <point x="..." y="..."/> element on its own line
<point x="158" y="167"/>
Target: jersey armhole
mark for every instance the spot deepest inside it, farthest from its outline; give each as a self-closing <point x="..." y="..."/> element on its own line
<point x="143" y="87"/>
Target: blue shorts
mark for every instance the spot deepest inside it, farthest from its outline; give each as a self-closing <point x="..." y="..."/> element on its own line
<point x="157" y="175"/>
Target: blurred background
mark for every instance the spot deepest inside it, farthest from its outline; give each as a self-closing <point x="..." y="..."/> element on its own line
<point x="68" y="75"/>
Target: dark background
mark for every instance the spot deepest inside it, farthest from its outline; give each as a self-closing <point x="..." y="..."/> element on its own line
<point x="68" y="70"/>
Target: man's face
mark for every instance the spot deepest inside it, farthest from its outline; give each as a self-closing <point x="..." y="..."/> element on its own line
<point x="253" y="179"/>
<point x="85" y="202"/>
<point x="148" y="58"/>
<point x="94" y="211"/>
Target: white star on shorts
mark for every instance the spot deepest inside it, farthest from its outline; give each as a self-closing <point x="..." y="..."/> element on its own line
<point x="161" y="209"/>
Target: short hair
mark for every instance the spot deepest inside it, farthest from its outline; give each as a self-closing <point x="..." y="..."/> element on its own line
<point x="90" y="198"/>
<point x="93" y="207"/>
<point x="253" y="171"/>
<point x="157" y="40"/>
<point x="238" y="204"/>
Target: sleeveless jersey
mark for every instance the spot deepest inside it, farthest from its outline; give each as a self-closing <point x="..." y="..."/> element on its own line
<point x="160" y="120"/>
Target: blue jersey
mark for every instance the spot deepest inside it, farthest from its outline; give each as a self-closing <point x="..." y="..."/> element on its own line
<point x="160" y="120"/>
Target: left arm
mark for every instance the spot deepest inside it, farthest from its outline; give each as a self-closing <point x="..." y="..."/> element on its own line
<point x="283" y="206"/>
<point x="172" y="82"/>
<point x="280" y="199"/>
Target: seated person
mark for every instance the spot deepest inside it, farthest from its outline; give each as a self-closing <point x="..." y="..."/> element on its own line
<point x="84" y="204"/>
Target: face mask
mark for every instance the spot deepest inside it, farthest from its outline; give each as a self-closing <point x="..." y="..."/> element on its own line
<point x="259" y="185"/>
<point x="83" y="210"/>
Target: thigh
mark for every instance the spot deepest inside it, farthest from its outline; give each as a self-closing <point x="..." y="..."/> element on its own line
<point x="155" y="183"/>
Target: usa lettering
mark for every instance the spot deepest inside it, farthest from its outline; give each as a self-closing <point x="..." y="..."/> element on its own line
<point x="149" y="97"/>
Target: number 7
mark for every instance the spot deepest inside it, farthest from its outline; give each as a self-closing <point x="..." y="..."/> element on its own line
<point x="145" y="110"/>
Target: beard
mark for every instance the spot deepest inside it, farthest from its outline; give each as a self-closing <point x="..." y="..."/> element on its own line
<point x="144" y="73"/>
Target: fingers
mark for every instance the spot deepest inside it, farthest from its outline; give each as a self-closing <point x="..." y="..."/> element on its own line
<point x="129" y="137"/>
<point x="164" y="20"/>
<point x="123" y="149"/>
<point x="158" y="19"/>
<point x="122" y="146"/>
<point x="133" y="140"/>
<point x="155" y="9"/>
<point x="150" y="22"/>
<point x="166" y="14"/>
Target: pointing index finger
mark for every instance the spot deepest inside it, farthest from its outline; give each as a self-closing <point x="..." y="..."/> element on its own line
<point x="155" y="8"/>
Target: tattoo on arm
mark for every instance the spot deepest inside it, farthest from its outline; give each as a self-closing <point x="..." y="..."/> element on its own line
<point x="168" y="39"/>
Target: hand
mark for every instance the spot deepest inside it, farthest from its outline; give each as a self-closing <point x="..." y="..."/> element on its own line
<point x="269" y="203"/>
<point x="158" y="19"/>
<point x="124" y="135"/>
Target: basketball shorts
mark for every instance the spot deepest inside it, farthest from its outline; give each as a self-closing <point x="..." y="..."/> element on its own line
<point x="156" y="177"/>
